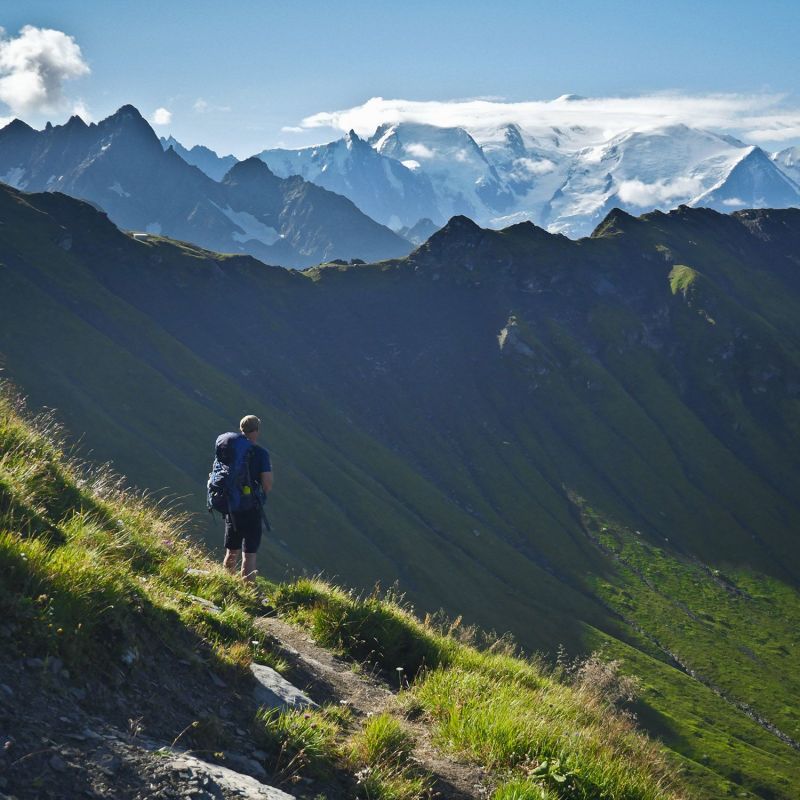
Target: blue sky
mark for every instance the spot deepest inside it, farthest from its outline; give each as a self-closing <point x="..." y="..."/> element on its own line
<point x="242" y="76"/>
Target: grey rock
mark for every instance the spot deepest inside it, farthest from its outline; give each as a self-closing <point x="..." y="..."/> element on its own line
<point x="274" y="691"/>
<point x="56" y="665"/>
<point x="229" y="781"/>
<point x="7" y="689"/>
<point x="249" y="766"/>
<point x="34" y="663"/>
<point x="201" y="601"/>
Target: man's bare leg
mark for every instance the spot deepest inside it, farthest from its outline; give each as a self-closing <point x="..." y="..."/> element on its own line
<point x="231" y="560"/>
<point x="249" y="571"/>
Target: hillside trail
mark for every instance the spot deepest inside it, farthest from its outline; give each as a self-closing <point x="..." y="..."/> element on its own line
<point x="327" y="678"/>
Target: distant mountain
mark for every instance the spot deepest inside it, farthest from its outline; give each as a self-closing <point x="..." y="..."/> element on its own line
<point x="119" y="165"/>
<point x="385" y="189"/>
<point x="201" y="157"/>
<point x="463" y="179"/>
<point x="591" y="443"/>
<point x="567" y="179"/>
<point x="419" y="232"/>
<point x="788" y="161"/>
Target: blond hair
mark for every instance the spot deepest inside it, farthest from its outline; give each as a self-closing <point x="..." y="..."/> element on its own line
<point x="249" y="424"/>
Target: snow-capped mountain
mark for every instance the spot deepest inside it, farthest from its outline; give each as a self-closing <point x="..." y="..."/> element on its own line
<point x="663" y="168"/>
<point x="204" y="158"/>
<point x="788" y="161"/>
<point x="565" y="179"/>
<point x="464" y="180"/>
<point x="383" y="188"/>
<point x="120" y="165"/>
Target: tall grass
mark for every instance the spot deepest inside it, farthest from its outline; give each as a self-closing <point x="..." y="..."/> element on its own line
<point x="93" y="573"/>
<point x="544" y="734"/>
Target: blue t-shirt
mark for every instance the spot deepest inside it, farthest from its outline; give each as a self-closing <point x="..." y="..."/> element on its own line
<point x="259" y="463"/>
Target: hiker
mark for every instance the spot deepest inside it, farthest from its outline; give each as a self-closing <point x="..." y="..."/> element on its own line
<point x="239" y="483"/>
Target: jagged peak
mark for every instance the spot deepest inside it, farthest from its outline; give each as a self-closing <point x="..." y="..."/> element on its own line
<point x="128" y="110"/>
<point x="75" y="122"/>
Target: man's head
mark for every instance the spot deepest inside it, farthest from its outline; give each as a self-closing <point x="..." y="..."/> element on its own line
<point x="250" y="426"/>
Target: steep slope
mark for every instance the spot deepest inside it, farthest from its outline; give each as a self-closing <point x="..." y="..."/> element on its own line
<point x="120" y="166"/>
<point x="788" y="161"/>
<point x="514" y="426"/>
<point x="752" y="183"/>
<point x="108" y="609"/>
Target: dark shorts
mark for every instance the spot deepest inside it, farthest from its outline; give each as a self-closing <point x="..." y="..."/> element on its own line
<point x="248" y="531"/>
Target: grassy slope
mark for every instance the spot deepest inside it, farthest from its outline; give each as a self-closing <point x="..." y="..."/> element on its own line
<point x="90" y="572"/>
<point x="403" y="434"/>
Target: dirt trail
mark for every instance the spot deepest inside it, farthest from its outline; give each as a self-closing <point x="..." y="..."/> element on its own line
<point x="329" y="679"/>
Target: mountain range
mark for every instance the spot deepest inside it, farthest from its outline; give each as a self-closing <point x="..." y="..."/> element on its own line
<point x="377" y="190"/>
<point x="566" y="180"/>
<point x="120" y="166"/>
<point x="591" y="443"/>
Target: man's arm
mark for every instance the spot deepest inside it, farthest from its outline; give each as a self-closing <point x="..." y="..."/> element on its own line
<point x="266" y="482"/>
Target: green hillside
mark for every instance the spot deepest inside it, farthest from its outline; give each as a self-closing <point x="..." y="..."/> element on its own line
<point x="95" y="579"/>
<point x="587" y="443"/>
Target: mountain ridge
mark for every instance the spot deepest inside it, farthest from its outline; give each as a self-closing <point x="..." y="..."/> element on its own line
<point x="120" y="165"/>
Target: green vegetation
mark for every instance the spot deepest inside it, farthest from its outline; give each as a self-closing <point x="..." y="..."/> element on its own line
<point x="300" y="739"/>
<point x="505" y="713"/>
<point x="682" y="278"/>
<point x="95" y="575"/>
<point x="380" y="755"/>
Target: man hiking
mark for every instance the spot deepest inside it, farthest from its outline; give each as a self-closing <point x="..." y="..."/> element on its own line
<point x="240" y="480"/>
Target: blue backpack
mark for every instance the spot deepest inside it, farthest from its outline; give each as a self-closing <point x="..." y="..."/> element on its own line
<point x="230" y="486"/>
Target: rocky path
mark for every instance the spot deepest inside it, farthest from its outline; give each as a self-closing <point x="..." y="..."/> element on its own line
<point x="63" y="736"/>
<point x="59" y="741"/>
<point x="329" y="679"/>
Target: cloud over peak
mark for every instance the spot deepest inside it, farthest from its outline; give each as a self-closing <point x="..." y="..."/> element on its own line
<point x="762" y="117"/>
<point x="34" y="66"/>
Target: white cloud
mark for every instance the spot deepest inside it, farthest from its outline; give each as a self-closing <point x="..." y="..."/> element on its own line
<point x="34" y="66"/>
<point x="80" y="108"/>
<point x="780" y="133"/>
<point x="292" y="129"/>
<point x="202" y="106"/>
<point x="734" y="201"/>
<point x="420" y="150"/>
<point x="653" y="194"/>
<point x="161" y="116"/>
<point x="766" y="117"/>
<point x="534" y="167"/>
